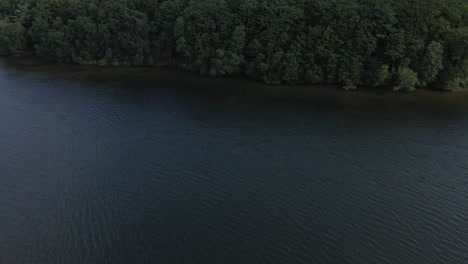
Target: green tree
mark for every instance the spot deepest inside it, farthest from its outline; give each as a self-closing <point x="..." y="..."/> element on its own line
<point x="432" y="63"/>
<point x="353" y="43"/>
<point x="407" y="80"/>
<point x="13" y="39"/>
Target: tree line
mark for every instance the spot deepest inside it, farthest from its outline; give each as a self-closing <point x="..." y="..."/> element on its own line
<point x="382" y="44"/>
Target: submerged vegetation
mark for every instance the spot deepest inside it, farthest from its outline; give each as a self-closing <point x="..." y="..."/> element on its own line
<point x="375" y="43"/>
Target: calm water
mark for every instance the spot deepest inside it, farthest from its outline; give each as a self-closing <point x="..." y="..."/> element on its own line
<point x="101" y="165"/>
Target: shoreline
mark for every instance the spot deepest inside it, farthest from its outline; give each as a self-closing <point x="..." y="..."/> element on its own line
<point x="229" y="85"/>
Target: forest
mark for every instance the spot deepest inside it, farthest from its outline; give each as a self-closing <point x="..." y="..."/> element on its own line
<point x="383" y="44"/>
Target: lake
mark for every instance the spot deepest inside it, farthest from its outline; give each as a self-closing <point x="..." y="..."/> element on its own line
<point x="135" y="165"/>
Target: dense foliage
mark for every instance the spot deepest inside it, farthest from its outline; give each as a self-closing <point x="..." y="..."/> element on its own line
<point x="402" y="44"/>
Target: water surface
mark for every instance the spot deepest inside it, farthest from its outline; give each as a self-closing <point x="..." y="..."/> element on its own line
<point x="109" y="165"/>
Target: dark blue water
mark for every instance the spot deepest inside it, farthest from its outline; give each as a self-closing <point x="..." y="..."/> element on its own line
<point x="101" y="165"/>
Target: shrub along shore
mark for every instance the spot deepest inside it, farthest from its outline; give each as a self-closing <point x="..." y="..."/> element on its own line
<point x="384" y="44"/>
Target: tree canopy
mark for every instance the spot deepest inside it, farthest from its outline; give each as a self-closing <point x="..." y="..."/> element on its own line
<point x="395" y="44"/>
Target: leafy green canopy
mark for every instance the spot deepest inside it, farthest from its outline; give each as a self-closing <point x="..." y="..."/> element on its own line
<point x="375" y="43"/>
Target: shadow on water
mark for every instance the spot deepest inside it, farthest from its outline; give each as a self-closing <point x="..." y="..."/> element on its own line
<point x="140" y="85"/>
<point x="151" y="78"/>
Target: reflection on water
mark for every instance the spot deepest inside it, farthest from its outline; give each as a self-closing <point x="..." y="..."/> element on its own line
<point x="113" y="165"/>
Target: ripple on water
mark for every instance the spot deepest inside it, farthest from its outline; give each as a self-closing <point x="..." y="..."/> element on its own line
<point x="107" y="166"/>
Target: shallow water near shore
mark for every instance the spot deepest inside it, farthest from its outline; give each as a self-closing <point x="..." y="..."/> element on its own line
<point x="139" y="165"/>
